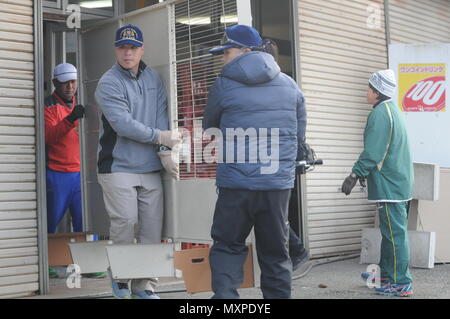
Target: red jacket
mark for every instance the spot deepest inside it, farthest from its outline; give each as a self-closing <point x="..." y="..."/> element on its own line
<point x="61" y="136"/>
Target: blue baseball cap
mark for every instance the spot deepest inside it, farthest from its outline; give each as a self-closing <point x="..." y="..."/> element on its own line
<point x="129" y="34"/>
<point x="238" y="36"/>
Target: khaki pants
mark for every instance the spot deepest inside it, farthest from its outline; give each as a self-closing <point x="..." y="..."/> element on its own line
<point x="134" y="203"/>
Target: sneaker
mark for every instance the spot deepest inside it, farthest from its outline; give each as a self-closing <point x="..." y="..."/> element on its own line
<point x="366" y="275"/>
<point x="52" y="273"/>
<point x="396" y="290"/>
<point x="120" y="290"/>
<point x="96" y="275"/>
<point x="146" y="294"/>
<point x="298" y="261"/>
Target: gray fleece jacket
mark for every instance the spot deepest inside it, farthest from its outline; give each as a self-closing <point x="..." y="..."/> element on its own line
<point x="134" y="110"/>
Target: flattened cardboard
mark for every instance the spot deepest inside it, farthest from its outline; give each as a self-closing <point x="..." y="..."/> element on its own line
<point x="58" y="247"/>
<point x="194" y="263"/>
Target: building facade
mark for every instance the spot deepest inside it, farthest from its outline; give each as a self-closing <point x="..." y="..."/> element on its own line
<point x="337" y="45"/>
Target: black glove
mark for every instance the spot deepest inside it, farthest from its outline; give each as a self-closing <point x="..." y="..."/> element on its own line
<point x="77" y="113"/>
<point x="349" y="183"/>
<point x="362" y="182"/>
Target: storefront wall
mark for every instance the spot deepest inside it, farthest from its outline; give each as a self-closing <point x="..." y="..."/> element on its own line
<point x="18" y="203"/>
<point x="341" y="43"/>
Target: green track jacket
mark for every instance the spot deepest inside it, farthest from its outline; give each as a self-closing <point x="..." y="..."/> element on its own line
<point x="386" y="159"/>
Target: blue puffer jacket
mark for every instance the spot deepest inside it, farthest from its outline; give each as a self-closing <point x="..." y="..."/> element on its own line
<point x="252" y="94"/>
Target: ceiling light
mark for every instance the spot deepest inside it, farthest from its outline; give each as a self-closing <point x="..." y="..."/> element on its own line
<point x="195" y="20"/>
<point x="229" y="19"/>
<point x="207" y="20"/>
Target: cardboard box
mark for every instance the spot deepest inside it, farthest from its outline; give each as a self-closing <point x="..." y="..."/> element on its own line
<point x="58" y="247"/>
<point x="194" y="263"/>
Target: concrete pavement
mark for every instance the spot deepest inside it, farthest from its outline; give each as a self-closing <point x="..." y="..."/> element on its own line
<point x="335" y="280"/>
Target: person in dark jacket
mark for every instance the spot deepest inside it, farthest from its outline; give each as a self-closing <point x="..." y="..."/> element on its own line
<point x="261" y="115"/>
<point x="297" y="251"/>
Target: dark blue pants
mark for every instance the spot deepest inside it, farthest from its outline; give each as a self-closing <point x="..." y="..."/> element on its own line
<point x="236" y="213"/>
<point x="63" y="191"/>
<point x="296" y="247"/>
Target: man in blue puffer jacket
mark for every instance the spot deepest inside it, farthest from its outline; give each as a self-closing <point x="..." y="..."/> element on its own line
<point x="261" y="116"/>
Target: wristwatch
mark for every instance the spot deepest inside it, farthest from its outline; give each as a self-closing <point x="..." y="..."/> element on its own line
<point x="164" y="148"/>
<point x="353" y="175"/>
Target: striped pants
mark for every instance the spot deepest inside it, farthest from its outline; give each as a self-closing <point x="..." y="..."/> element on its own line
<point x="394" y="260"/>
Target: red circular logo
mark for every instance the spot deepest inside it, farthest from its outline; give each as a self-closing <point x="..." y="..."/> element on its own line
<point x="427" y="95"/>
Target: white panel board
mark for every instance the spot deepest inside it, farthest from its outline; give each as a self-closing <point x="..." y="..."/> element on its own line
<point x="428" y="131"/>
<point x="90" y="256"/>
<point x="140" y="261"/>
<point x="421" y="244"/>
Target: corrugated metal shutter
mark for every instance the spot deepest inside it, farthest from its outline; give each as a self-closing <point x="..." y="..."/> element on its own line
<point x="419" y="21"/>
<point x="18" y="218"/>
<point x="338" y="52"/>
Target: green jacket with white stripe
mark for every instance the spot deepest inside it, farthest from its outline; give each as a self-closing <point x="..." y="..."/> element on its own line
<point x="386" y="159"/>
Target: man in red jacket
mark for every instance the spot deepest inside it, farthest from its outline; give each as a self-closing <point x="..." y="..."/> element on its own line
<point x="63" y="153"/>
<point x="63" y="149"/>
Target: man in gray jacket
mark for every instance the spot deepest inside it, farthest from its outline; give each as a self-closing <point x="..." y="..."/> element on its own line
<point x="134" y="145"/>
<point x="251" y="95"/>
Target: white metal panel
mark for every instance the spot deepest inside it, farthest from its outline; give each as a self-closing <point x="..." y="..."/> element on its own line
<point x="419" y="21"/>
<point x="18" y="218"/>
<point x="141" y="261"/>
<point x="90" y="256"/>
<point x="338" y="52"/>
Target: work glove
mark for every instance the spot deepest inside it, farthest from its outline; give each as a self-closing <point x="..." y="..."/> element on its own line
<point x="169" y="138"/>
<point x="362" y="182"/>
<point x="77" y="113"/>
<point x="349" y="183"/>
<point x="169" y="160"/>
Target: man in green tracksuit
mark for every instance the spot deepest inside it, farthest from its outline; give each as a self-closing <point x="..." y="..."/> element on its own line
<point x="386" y="163"/>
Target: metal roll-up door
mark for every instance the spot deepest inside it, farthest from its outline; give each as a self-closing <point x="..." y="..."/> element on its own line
<point x="419" y="21"/>
<point x="18" y="217"/>
<point x="341" y="44"/>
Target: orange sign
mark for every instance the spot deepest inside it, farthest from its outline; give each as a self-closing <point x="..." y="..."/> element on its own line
<point x="422" y="87"/>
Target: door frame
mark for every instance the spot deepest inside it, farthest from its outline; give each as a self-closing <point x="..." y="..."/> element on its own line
<point x="41" y="191"/>
<point x="40" y="149"/>
<point x="295" y="53"/>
